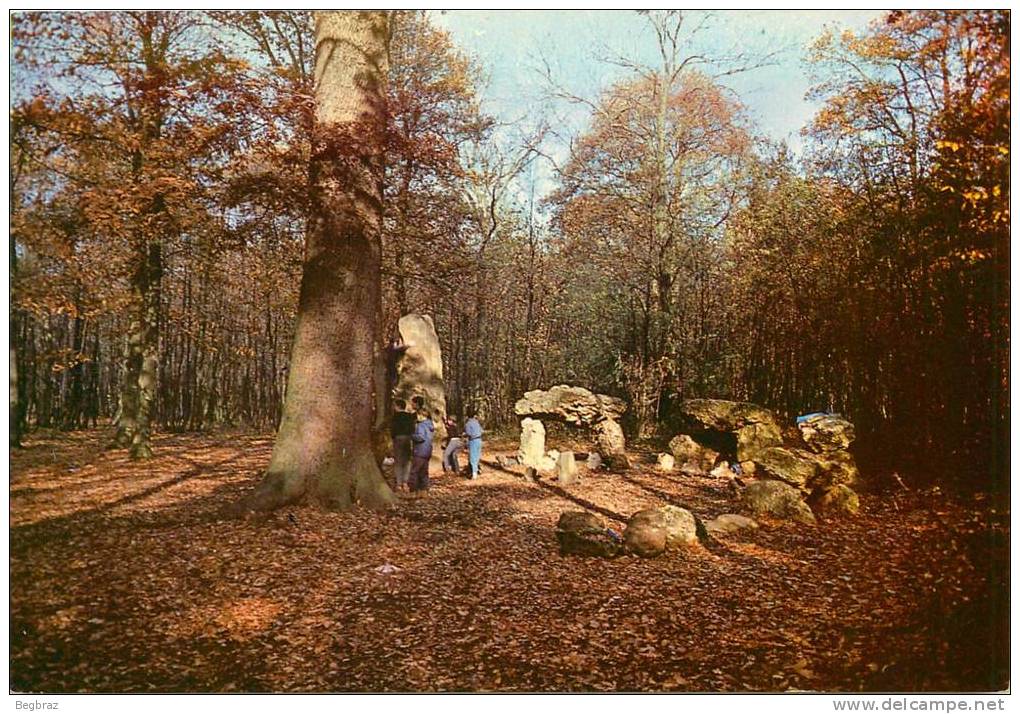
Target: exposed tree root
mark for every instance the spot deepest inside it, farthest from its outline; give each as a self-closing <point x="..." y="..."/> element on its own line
<point x="338" y="486"/>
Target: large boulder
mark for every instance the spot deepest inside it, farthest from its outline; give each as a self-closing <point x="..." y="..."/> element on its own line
<point x="792" y="466"/>
<point x="806" y="470"/>
<point x="656" y="530"/>
<point x="826" y="433"/>
<point x="688" y="452"/>
<point x="572" y="405"/>
<point x="584" y="533"/>
<point x="836" y="467"/>
<point x="420" y="368"/>
<point x="724" y="416"/>
<point x="776" y="499"/>
<point x="532" y="448"/>
<point x="611" y="445"/>
<point x="840" y="500"/>
<point x="755" y="437"/>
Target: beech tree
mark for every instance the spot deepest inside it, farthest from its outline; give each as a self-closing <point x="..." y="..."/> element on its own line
<point x="140" y="131"/>
<point x="323" y="449"/>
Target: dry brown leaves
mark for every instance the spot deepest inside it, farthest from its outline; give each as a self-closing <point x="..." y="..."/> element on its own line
<point x="130" y="577"/>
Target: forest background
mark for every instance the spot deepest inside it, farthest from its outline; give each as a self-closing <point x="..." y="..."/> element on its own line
<point x="642" y="237"/>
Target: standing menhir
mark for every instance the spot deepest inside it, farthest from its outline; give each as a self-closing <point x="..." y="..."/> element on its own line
<point x="418" y="369"/>
<point x="324" y="447"/>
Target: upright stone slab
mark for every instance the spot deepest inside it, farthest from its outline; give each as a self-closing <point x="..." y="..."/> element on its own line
<point x="532" y="449"/>
<point x="610" y="443"/>
<point x="420" y="368"/>
<point x="566" y="469"/>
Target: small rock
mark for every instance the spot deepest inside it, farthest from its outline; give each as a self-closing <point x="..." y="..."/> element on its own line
<point x="691" y="470"/>
<point x="681" y="527"/>
<point x="584" y="533"/>
<point x="665" y="462"/>
<point x="594" y="461"/>
<point x="730" y="523"/>
<point x="618" y="462"/>
<point x="723" y="471"/>
<point x="505" y="462"/>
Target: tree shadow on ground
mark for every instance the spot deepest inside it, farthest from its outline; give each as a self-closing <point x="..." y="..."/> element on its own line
<point x="564" y="494"/>
<point x="166" y="595"/>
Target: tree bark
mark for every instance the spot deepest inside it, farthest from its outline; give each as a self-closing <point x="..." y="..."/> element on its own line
<point x="138" y="389"/>
<point x="17" y="411"/>
<point x="323" y="450"/>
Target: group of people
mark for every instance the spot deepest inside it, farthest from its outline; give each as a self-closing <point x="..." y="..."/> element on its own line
<point x="413" y="433"/>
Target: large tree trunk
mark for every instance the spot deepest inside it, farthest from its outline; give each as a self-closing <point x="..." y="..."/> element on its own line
<point x="17" y="411"/>
<point x="323" y="450"/>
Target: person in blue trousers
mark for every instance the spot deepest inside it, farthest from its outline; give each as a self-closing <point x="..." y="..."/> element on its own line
<point x="421" y="451"/>
<point x="473" y="436"/>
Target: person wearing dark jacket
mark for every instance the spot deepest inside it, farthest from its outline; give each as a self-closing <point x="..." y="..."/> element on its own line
<point x="424" y="432"/>
<point x="401" y="429"/>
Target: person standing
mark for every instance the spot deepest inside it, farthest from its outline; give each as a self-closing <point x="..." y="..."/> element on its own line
<point x="401" y="429"/>
<point x="451" y="451"/>
<point x="473" y="435"/>
<point x="424" y="432"/>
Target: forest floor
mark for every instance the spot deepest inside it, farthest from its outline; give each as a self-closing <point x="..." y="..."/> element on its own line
<point x="130" y="577"/>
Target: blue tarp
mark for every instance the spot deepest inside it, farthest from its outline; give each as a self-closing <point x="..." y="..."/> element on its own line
<point x="805" y="417"/>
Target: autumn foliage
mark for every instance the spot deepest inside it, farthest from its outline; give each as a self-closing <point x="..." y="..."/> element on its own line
<point x="160" y="194"/>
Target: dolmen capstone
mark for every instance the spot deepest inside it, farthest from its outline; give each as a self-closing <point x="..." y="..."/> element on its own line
<point x="577" y="407"/>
